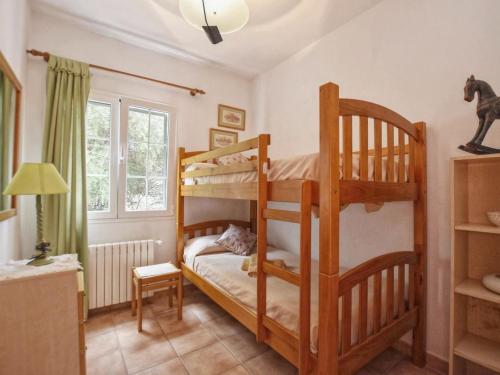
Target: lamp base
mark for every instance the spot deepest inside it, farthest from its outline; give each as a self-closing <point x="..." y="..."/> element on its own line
<point x="40" y="261"/>
<point x="42" y="258"/>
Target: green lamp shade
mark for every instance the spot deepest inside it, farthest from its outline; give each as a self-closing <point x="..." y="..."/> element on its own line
<point x="36" y="179"/>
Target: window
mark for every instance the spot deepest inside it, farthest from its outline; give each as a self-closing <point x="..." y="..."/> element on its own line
<point x="129" y="152"/>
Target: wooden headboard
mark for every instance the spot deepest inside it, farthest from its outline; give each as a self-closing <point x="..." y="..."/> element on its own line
<point x="212" y="227"/>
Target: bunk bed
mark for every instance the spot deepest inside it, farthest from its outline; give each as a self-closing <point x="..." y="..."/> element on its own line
<point x="363" y="310"/>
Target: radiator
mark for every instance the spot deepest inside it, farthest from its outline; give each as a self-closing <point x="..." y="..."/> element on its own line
<point x="110" y="270"/>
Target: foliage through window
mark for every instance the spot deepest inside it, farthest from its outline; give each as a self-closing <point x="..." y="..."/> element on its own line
<point x="98" y="156"/>
<point x="128" y="146"/>
<point x="147" y="160"/>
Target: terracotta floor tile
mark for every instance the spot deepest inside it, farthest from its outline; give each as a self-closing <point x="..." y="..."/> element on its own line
<point x="172" y="367"/>
<point x="386" y="361"/>
<point x="189" y="340"/>
<point x="159" y="303"/>
<point x="238" y="370"/>
<point x="244" y="345"/>
<point x="367" y="371"/>
<point x="147" y="355"/>
<point x="98" y="345"/>
<point x="169" y="323"/>
<point x="110" y="363"/>
<point x="207" y="311"/>
<point x="124" y="315"/>
<point x="270" y="363"/>
<point x="224" y="327"/>
<point x="407" y="368"/>
<point x="98" y="324"/>
<point x="210" y="360"/>
<point x="129" y="337"/>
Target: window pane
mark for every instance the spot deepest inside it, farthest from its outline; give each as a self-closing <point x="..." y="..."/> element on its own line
<point x="98" y="120"/>
<point x="136" y="194"/>
<point x="98" y="157"/>
<point x="157" y="162"/>
<point x="147" y="159"/>
<point x="158" y="128"/>
<point x="156" y="194"/>
<point x="98" y="123"/>
<point x="97" y="194"/>
<point x="138" y="125"/>
<point x="137" y="159"/>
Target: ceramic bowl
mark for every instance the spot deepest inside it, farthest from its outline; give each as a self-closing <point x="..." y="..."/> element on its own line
<point x="492" y="282"/>
<point x="494" y="217"/>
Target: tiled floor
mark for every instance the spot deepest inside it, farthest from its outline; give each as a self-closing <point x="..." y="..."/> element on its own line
<point x="207" y="342"/>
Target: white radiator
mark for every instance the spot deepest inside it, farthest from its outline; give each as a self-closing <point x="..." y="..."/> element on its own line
<point x="110" y="270"/>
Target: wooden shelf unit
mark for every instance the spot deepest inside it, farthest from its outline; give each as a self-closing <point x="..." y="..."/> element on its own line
<point x="475" y="252"/>
<point x="481" y="228"/>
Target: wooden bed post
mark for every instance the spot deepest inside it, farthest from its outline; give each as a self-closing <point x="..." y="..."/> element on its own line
<point x="329" y="230"/>
<point x="420" y="242"/>
<point x="180" y="208"/>
<point x="262" y="169"/>
<point x="253" y="216"/>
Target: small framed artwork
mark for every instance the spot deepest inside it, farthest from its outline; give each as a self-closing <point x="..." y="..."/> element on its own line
<point x="230" y="117"/>
<point x="222" y="138"/>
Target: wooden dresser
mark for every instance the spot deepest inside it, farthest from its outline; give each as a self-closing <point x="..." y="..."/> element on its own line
<point x="41" y="321"/>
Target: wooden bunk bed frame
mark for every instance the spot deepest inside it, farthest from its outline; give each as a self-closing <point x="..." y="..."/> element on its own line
<point x="336" y="353"/>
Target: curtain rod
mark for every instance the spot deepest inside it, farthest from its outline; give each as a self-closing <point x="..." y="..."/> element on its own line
<point x="192" y="91"/>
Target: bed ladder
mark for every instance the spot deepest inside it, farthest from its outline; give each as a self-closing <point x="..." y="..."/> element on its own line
<point x="301" y="280"/>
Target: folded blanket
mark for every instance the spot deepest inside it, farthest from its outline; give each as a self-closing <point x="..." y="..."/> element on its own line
<point x="250" y="265"/>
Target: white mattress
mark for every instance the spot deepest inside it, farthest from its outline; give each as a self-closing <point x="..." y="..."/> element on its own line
<point x="224" y="271"/>
<point x="302" y="167"/>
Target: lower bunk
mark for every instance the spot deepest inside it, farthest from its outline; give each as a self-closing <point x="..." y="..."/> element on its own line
<point x="376" y="299"/>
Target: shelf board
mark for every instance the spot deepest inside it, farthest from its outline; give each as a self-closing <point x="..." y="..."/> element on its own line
<point x="474" y="288"/>
<point x="478" y="228"/>
<point x="479" y="350"/>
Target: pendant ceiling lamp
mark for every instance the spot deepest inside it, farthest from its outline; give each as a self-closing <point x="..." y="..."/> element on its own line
<point x="215" y="17"/>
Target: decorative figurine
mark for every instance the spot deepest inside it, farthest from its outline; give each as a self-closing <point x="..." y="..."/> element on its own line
<point x="488" y="110"/>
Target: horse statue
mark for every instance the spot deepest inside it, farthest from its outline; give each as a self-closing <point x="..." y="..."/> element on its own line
<point x="488" y="110"/>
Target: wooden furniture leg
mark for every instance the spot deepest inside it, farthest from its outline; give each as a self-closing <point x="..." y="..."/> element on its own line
<point x="134" y="300"/>
<point x="179" y="297"/>
<point x="139" y="304"/>
<point x="170" y="296"/>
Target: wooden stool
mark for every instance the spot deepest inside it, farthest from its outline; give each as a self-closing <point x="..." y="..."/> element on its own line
<point x="157" y="276"/>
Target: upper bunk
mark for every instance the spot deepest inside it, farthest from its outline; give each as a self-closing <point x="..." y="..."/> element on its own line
<point x="361" y="146"/>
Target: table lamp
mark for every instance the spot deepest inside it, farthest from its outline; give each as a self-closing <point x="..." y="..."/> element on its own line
<point x="38" y="179"/>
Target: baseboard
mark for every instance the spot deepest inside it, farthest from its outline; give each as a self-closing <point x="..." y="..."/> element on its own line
<point x="433" y="362"/>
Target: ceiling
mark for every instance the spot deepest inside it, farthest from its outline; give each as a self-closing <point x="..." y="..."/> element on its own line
<point x="276" y="30"/>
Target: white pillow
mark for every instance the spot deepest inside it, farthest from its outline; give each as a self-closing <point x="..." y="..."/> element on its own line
<point x="197" y="166"/>
<point x="200" y="246"/>
<point x="231" y="159"/>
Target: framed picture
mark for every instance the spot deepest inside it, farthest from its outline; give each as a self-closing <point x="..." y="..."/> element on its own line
<point x="230" y="117"/>
<point x="222" y="138"/>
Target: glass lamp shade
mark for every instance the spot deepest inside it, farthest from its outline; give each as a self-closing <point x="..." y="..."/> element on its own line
<point x="227" y="15"/>
<point x="36" y="179"/>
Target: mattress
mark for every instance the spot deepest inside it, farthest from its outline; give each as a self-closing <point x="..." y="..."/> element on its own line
<point x="223" y="270"/>
<point x="302" y="167"/>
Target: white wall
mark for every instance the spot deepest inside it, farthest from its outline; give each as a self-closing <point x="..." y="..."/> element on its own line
<point x="194" y="115"/>
<point x="13" y="33"/>
<point x="413" y="56"/>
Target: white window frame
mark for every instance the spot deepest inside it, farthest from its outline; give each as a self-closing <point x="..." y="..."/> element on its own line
<point x="118" y="162"/>
<point x="170" y="178"/>
<point x="113" y="100"/>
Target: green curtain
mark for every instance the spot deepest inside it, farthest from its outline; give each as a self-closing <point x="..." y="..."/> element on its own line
<point x="6" y="137"/>
<point x="68" y="85"/>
